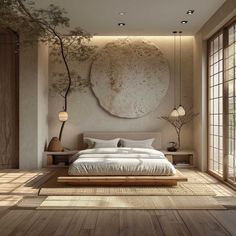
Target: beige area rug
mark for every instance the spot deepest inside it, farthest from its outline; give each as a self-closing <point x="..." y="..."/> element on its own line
<point x="130" y="202"/>
<point x="196" y="186"/>
<point x="180" y="190"/>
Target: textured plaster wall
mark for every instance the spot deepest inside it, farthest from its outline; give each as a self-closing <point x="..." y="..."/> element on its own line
<point x="200" y="100"/>
<point x="85" y="114"/>
<point x="42" y="100"/>
<point x="33" y="104"/>
<point x="28" y="107"/>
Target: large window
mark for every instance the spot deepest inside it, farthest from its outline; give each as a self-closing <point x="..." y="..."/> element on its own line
<point x="222" y="103"/>
<point x="230" y="82"/>
<point x="216" y="104"/>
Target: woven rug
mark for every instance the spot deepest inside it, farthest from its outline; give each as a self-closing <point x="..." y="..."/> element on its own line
<point x="192" y="188"/>
<point x="180" y="190"/>
<point x="130" y="202"/>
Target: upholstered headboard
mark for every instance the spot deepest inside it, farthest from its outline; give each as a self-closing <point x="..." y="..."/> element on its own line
<point x="127" y="135"/>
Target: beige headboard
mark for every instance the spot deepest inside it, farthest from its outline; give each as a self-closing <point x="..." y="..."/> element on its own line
<point x="127" y="135"/>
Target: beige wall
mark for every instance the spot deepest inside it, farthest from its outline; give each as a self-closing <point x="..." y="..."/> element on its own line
<point x="28" y="107"/>
<point x="42" y="100"/>
<point x="33" y="104"/>
<point x="224" y="14"/>
<point x="86" y="115"/>
<point x="199" y="95"/>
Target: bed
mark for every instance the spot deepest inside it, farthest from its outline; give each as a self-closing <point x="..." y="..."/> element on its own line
<point x="122" y="165"/>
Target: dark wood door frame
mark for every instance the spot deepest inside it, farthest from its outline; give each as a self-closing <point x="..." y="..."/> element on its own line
<point x="9" y="99"/>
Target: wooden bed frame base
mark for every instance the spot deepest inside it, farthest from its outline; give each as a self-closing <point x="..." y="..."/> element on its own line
<point x="123" y="180"/>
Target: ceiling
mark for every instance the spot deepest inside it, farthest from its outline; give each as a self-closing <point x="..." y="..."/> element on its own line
<point x="143" y="17"/>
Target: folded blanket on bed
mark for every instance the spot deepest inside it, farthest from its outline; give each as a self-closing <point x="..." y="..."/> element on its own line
<point x="120" y="161"/>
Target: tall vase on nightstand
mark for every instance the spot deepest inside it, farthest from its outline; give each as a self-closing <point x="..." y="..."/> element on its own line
<point x="55" y="145"/>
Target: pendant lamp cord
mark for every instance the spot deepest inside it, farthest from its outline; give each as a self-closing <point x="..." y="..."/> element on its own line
<point x="180" y="67"/>
<point x="174" y="66"/>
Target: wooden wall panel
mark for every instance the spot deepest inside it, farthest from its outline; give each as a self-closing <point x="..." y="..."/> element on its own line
<point x="9" y="100"/>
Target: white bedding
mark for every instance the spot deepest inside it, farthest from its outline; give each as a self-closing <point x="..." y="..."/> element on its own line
<point x="120" y="161"/>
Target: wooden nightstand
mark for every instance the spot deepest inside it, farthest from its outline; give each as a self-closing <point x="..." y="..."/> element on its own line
<point x="180" y="159"/>
<point x="54" y="159"/>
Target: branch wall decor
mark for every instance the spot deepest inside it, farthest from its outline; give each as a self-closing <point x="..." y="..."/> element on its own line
<point x="52" y="26"/>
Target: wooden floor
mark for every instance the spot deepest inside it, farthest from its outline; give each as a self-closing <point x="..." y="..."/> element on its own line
<point x="16" y="220"/>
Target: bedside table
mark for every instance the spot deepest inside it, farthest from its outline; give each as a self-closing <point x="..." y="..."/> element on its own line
<point x="54" y="159"/>
<point x="181" y="159"/>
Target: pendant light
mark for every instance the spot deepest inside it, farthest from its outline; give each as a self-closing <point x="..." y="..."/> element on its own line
<point x="174" y="112"/>
<point x="180" y="109"/>
<point x="63" y="116"/>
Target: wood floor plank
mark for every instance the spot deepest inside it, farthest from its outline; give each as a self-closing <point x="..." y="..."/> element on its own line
<point x="89" y="223"/>
<point x="24" y="225"/>
<point x="227" y="219"/>
<point x="201" y="222"/>
<point x="109" y="220"/>
<point x="155" y="222"/>
<point x="67" y="218"/>
<point x="40" y="222"/>
<point x="3" y="211"/>
<point x="12" y="219"/>
<point x="136" y="223"/>
<point x="171" y="223"/>
<point x="86" y="232"/>
<point x="76" y="223"/>
<point x="53" y="223"/>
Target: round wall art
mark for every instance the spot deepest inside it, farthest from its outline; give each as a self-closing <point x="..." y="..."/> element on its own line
<point x="130" y="77"/>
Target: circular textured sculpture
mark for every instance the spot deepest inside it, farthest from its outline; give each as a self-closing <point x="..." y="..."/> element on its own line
<point x="129" y="77"/>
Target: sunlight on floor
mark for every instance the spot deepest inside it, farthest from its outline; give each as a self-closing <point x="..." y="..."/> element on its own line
<point x="16" y="185"/>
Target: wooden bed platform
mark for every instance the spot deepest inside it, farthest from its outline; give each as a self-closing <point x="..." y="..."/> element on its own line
<point x="123" y="180"/>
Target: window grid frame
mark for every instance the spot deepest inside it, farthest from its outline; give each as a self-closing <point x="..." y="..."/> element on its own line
<point x="215" y="159"/>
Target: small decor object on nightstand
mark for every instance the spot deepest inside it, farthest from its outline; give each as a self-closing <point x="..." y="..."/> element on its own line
<point x="172" y="147"/>
<point x="55" y="145"/>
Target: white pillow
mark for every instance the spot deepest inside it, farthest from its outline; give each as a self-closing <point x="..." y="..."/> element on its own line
<point x="100" y="143"/>
<point x="137" y="143"/>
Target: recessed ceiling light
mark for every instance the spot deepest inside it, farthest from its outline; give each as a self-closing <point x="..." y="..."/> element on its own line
<point x="122" y="13"/>
<point x="184" y="22"/>
<point x="190" y="12"/>
<point x="121" y="24"/>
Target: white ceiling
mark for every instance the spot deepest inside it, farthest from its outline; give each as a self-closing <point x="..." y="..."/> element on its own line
<point x="143" y="17"/>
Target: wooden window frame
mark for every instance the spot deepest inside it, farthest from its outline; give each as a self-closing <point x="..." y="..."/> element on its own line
<point x="224" y="32"/>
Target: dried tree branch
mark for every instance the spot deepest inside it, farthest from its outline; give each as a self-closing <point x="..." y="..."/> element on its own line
<point x="43" y="24"/>
<point x="179" y="122"/>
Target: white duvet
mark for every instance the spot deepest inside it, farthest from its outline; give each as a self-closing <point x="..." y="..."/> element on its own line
<point x="120" y="161"/>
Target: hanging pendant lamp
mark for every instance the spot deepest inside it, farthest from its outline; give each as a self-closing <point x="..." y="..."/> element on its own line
<point x="174" y="112"/>
<point x="180" y="109"/>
